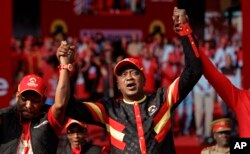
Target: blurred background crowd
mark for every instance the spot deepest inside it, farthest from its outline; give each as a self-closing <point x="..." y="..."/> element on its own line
<point x="160" y="54"/>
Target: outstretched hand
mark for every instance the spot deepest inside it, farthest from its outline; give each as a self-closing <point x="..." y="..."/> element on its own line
<point x="65" y="53"/>
<point x="179" y="17"/>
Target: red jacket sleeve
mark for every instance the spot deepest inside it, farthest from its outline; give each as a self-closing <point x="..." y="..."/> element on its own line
<point x="225" y="89"/>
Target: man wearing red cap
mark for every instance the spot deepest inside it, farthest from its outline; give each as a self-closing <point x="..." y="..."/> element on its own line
<point x="140" y="123"/>
<point x="26" y="127"/>
<point x="238" y="100"/>
<point x="221" y="129"/>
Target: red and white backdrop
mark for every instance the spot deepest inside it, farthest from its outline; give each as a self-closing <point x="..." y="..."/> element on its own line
<point x="157" y="13"/>
<point x="68" y="15"/>
<point x="60" y="12"/>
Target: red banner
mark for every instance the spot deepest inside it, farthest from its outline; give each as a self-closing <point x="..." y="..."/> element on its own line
<point x="69" y="17"/>
<point x="5" y="38"/>
<point x="246" y="44"/>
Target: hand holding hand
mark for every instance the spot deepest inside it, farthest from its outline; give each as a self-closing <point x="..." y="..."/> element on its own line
<point x="65" y="53"/>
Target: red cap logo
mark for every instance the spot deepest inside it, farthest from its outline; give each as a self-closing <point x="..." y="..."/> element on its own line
<point x="128" y="61"/>
<point x="32" y="82"/>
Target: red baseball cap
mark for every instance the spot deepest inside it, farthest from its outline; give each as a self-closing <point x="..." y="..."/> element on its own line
<point x="32" y="82"/>
<point x="220" y="125"/>
<point x="71" y="121"/>
<point x="126" y="62"/>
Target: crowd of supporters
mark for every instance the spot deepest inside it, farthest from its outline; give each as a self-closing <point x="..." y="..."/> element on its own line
<point x="162" y="59"/>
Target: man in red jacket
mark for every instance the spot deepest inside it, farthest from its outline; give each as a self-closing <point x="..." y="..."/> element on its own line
<point x="238" y="100"/>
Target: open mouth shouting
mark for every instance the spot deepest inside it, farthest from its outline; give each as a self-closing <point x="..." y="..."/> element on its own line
<point x="131" y="86"/>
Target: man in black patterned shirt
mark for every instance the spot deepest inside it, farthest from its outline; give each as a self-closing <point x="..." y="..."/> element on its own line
<point x="140" y="123"/>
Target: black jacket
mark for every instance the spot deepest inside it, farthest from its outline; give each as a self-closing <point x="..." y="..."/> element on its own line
<point x="144" y="126"/>
<point x="43" y="138"/>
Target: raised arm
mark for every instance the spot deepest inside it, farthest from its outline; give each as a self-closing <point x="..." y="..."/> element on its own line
<point x="226" y="90"/>
<point x="192" y="69"/>
<point x="65" y="55"/>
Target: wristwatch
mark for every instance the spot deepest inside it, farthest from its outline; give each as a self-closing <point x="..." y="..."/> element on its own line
<point x="68" y="67"/>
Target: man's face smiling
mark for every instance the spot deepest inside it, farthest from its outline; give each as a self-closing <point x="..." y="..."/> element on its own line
<point x="131" y="82"/>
